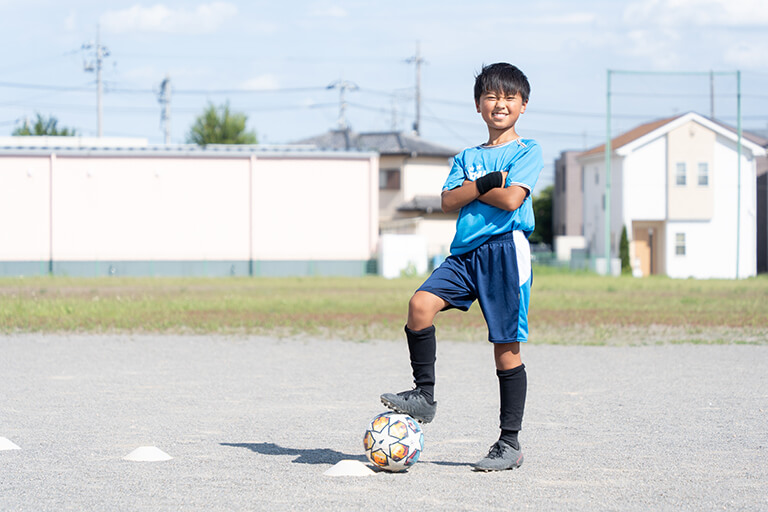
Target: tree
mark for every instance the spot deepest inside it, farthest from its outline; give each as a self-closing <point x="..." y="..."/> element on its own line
<point x="626" y="268"/>
<point x="44" y="126"/>
<point x="217" y="125"/>
<point x="542" y="210"/>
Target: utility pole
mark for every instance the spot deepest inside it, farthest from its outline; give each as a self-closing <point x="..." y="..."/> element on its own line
<point x="343" y="86"/>
<point x="99" y="54"/>
<point x="164" y="98"/>
<point x="418" y="61"/>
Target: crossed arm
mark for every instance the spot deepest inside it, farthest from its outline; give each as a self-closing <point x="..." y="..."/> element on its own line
<point x="505" y="198"/>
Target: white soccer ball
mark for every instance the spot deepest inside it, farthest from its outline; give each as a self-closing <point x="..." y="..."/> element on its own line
<point x="393" y="441"/>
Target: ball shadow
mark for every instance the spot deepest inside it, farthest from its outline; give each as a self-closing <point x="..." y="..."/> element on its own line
<point x="303" y="456"/>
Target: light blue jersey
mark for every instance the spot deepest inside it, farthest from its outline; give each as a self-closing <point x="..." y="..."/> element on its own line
<point x="478" y="221"/>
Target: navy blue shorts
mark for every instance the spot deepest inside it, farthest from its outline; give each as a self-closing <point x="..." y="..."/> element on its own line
<point x="498" y="275"/>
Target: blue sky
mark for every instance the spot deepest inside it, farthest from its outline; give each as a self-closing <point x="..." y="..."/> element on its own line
<point x="274" y="62"/>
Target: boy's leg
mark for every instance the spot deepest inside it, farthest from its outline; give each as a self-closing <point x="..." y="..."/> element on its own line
<point x="503" y="294"/>
<point x="513" y="385"/>
<point x="422" y="348"/>
<point x="422" y="344"/>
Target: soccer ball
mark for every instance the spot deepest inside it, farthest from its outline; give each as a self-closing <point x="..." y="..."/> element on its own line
<point x="393" y="441"/>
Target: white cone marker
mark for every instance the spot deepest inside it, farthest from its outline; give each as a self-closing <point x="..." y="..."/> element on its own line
<point x="147" y="454"/>
<point x="349" y="468"/>
<point x="6" y="444"/>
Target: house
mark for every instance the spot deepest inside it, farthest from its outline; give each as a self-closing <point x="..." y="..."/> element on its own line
<point x="411" y="175"/>
<point x="676" y="188"/>
<point x="762" y="208"/>
<point x="567" y="207"/>
<point x="90" y="207"/>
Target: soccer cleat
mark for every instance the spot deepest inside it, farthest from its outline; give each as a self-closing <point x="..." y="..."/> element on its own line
<point x="501" y="456"/>
<point x="412" y="403"/>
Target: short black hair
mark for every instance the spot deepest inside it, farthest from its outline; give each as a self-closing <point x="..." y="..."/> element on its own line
<point x="502" y="77"/>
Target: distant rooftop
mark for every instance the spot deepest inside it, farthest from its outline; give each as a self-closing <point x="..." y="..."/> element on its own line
<point x="72" y="142"/>
<point x="111" y="146"/>
<point x="644" y="129"/>
<point x="384" y="143"/>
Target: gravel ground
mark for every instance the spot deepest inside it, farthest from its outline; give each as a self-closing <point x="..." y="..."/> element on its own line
<point x="253" y="423"/>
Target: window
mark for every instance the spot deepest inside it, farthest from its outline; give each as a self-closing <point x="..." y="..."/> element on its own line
<point x="597" y="177"/>
<point x="680" y="174"/>
<point x="703" y="174"/>
<point x="680" y="244"/>
<point x="389" y="179"/>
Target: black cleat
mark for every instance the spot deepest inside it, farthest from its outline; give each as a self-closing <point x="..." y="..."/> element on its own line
<point x="412" y="403"/>
<point x="501" y="456"/>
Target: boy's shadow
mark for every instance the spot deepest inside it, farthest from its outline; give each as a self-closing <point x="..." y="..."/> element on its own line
<point x="304" y="456"/>
<point x="316" y="455"/>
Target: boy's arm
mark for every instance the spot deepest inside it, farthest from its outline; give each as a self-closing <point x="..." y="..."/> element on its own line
<point x="456" y="198"/>
<point x="507" y="198"/>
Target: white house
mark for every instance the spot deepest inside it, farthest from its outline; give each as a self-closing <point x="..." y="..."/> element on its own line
<point x="676" y="188"/>
<point x="86" y="207"/>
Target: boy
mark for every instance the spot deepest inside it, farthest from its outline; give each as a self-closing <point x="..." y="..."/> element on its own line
<point x="490" y="259"/>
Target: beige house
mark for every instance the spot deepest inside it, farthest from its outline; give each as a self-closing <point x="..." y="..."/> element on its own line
<point x="411" y="175"/>
<point x="686" y="198"/>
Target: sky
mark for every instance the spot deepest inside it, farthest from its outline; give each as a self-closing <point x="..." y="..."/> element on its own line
<point x="282" y="64"/>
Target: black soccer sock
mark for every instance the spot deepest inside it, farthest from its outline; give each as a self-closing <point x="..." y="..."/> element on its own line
<point x="510" y="437"/>
<point x="422" y="346"/>
<point x="513" y="385"/>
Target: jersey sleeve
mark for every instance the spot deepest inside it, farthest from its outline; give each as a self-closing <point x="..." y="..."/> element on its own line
<point x="456" y="176"/>
<point x="525" y="169"/>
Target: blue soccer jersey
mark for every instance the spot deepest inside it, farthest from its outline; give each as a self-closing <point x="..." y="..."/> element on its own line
<point x="478" y="221"/>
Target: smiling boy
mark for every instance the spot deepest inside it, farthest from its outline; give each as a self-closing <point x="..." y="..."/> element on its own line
<point x="490" y="185"/>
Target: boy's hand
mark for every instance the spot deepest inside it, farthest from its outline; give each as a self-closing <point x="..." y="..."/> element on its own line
<point x="489" y="181"/>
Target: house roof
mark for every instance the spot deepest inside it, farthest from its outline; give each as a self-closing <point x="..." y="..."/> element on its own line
<point x="384" y="143"/>
<point x="627" y="137"/>
<point x="635" y="135"/>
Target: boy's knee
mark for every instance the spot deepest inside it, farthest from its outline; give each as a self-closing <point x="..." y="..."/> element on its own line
<point x="422" y="309"/>
<point x="419" y="303"/>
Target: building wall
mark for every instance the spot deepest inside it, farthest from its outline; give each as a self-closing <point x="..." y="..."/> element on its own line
<point x="690" y="145"/>
<point x="567" y="199"/>
<point x="594" y="216"/>
<point x="762" y="214"/>
<point x="177" y="215"/>
<point x="645" y="183"/>
<point x="25" y="221"/>
<point x="424" y="176"/>
<point x="711" y="244"/>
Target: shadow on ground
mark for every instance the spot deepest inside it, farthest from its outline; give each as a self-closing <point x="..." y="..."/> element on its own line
<point x="304" y="456"/>
<point x="318" y="455"/>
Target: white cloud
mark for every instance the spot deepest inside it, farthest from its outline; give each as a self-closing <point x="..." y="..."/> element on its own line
<point x="743" y="55"/>
<point x="575" y="18"/>
<point x="70" y="22"/>
<point x="329" y="11"/>
<point x="728" y="13"/>
<point x="657" y="46"/>
<point x="203" y="19"/>
<point x="261" y="83"/>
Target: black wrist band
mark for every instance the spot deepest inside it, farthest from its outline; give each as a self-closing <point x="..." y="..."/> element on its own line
<point x="489" y="181"/>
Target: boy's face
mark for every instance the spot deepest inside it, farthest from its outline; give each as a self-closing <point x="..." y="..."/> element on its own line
<point x="500" y="110"/>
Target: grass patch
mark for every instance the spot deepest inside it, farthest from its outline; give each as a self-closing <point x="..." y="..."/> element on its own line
<point x="565" y="308"/>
